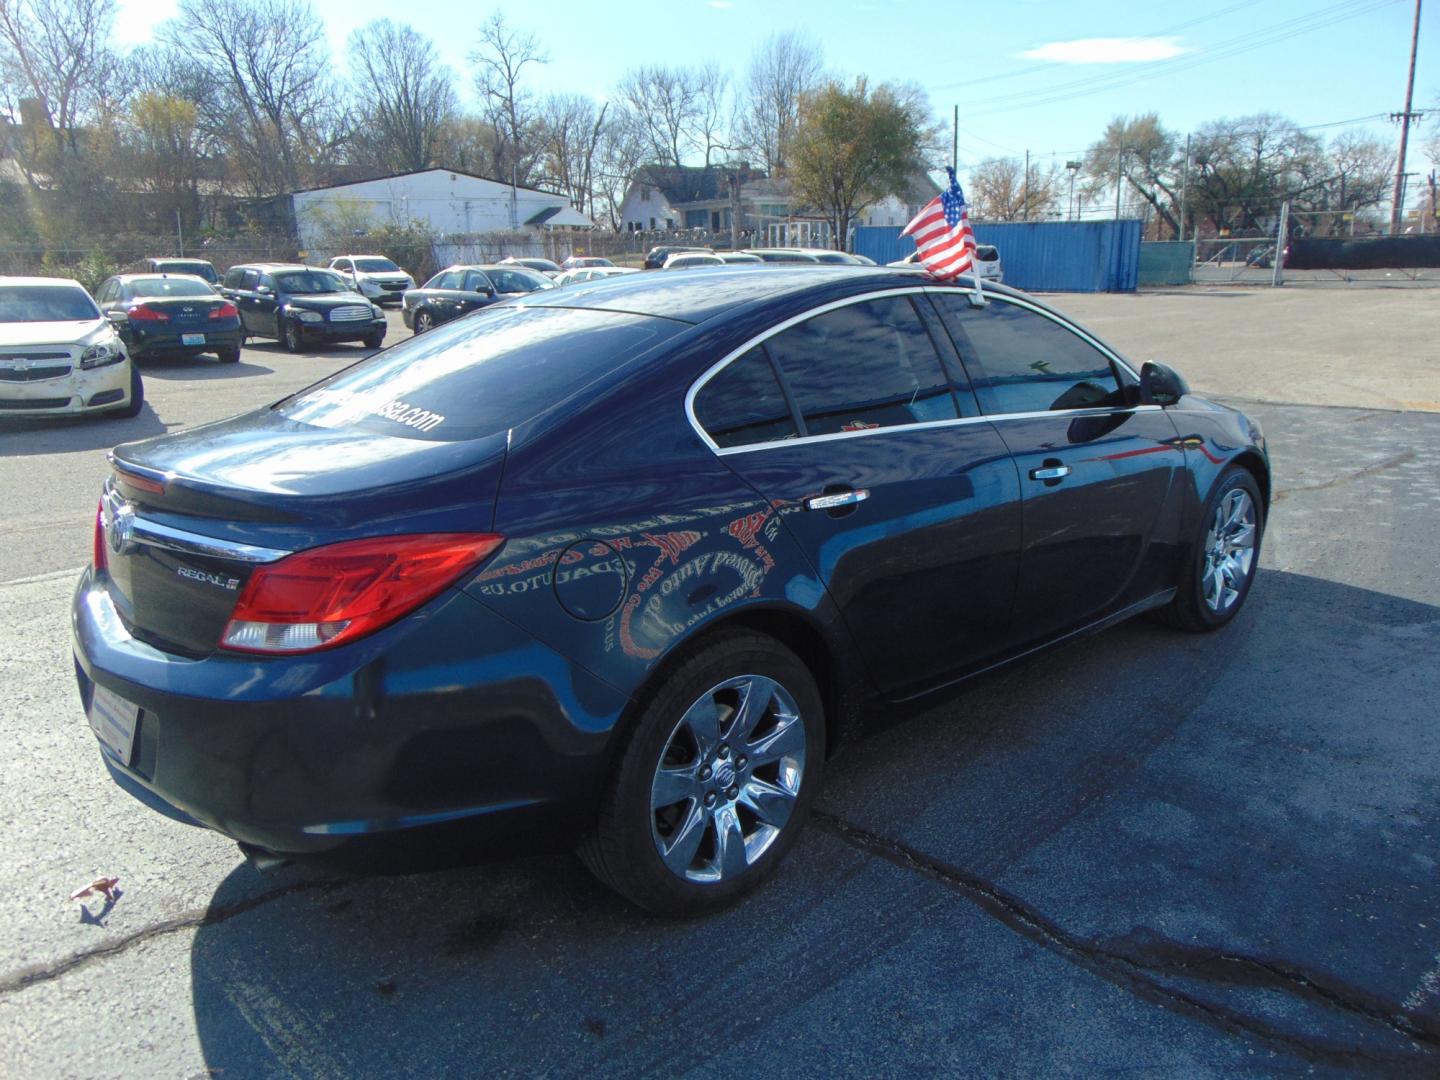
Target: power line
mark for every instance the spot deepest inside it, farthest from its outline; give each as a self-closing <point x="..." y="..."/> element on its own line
<point x="1231" y="47"/>
<point x="1031" y="68"/>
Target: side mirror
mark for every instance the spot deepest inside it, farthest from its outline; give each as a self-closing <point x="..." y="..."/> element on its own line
<point x="264" y="290"/>
<point x="1161" y="385"/>
<point x="484" y="290"/>
<point x="117" y="316"/>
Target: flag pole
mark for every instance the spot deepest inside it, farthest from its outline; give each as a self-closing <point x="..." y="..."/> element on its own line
<point x="977" y="298"/>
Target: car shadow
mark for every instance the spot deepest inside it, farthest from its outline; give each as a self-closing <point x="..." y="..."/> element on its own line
<point x="26" y="436"/>
<point x="203" y="368"/>
<point x="1215" y="786"/>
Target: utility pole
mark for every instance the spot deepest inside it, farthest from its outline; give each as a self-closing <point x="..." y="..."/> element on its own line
<point x="1119" y="174"/>
<point x="179" y="234"/>
<point x="955" y="142"/>
<point x="1072" y="167"/>
<point x="1397" y="204"/>
<point x="1277" y="274"/>
<point x="1025" y="206"/>
<point x="1184" y="189"/>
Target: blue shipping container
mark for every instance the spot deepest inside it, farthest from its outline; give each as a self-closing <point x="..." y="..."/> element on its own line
<point x="1041" y="256"/>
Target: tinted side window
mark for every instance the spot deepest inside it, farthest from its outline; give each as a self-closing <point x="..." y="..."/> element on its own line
<point x="1020" y="361"/>
<point x="473" y="281"/>
<point x="865" y="365"/>
<point x="743" y="404"/>
<point x="250" y="280"/>
<point x="233" y="277"/>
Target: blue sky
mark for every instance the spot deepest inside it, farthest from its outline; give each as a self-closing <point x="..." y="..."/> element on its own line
<point x="1043" y="75"/>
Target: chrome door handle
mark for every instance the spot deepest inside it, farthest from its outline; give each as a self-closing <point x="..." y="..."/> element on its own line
<point x="1050" y="472"/>
<point x="840" y="498"/>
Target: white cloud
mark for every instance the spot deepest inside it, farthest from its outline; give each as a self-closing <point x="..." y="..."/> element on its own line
<point x="1118" y="50"/>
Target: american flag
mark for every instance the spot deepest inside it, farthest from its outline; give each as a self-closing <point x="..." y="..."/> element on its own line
<point x="942" y="232"/>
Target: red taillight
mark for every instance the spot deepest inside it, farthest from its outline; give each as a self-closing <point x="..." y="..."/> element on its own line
<point x="97" y="546"/>
<point x="226" y="310"/>
<point x="326" y="596"/>
<point x="146" y="313"/>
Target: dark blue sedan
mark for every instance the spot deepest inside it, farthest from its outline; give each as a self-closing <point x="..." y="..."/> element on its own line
<point x="621" y="564"/>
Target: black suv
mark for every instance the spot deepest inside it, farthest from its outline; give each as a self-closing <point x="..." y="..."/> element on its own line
<point x="299" y="304"/>
<point x="201" y="268"/>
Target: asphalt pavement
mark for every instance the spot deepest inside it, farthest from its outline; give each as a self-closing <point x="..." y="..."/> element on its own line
<point x="1146" y="852"/>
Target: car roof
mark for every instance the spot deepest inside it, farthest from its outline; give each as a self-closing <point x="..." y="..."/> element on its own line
<point x="178" y="259"/>
<point x="700" y="297"/>
<point x="6" y="279"/>
<point x="125" y="279"/>
<point x="362" y="256"/>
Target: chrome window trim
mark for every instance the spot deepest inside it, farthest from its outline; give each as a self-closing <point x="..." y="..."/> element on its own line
<point x="985" y="418"/>
<point x="923" y="425"/>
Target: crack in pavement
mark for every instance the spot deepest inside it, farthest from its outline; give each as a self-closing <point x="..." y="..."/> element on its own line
<point x="1132" y="962"/>
<point x="33" y="974"/>
<point x="1345" y="478"/>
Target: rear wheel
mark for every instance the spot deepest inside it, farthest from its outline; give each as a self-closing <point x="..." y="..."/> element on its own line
<point x="715" y="781"/>
<point x="290" y="335"/>
<point x="1226" y="555"/>
<point x="137" y="397"/>
<point x="424" y="321"/>
<point x="230" y="355"/>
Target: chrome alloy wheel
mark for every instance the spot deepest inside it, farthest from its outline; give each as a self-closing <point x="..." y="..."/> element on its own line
<point x="1229" y="551"/>
<point x="728" y="779"/>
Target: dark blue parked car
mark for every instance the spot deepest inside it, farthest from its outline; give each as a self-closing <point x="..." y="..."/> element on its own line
<point x="621" y="564"/>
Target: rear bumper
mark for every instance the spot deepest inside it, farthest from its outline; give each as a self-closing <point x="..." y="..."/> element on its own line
<point x="81" y="391"/>
<point x="451" y="716"/>
<point x="170" y="342"/>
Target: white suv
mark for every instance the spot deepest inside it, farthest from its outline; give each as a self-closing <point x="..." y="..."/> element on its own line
<point x="987" y="262"/>
<point x="373" y="276"/>
<point x="59" y="355"/>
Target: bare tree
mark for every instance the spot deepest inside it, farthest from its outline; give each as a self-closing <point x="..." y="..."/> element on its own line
<point x="501" y="58"/>
<point x="679" y="112"/>
<point x="1000" y="191"/>
<point x="410" y="95"/>
<point x="58" y="54"/>
<point x="785" y="67"/>
<point x="272" y="58"/>
<point x="571" y="128"/>
<point x="618" y="155"/>
<point x="1145" y="158"/>
<point x="1245" y="167"/>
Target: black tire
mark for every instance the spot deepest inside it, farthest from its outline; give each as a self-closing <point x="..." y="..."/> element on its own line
<point x="1191" y="610"/>
<point x="137" y="397"/>
<point x="291" y="337"/>
<point x="229" y="356"/>
<point x="622" y="851"/>
<point x="375" y="341"/>
<point x="424" y="321"/>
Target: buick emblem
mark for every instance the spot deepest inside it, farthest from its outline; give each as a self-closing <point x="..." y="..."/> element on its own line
<point x="120" y="528"/>
<point x="724" y="774"/>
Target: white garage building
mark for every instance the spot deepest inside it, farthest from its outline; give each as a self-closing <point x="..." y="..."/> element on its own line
<point x="449" y="202"/>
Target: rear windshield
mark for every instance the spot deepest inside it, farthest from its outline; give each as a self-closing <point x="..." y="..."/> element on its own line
<point x="46" y="303"/>
<point x="199" y="269"/>
<point x="172" y="286"/>
<point x="479" y="375"/>
<point x="518" y="281"/>
<point x="305" y="282"/>
<point x="372" y="266"/>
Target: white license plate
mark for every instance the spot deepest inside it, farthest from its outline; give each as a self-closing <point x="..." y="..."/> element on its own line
<point x="192" y="339"/>
<point x="112" y="718"/>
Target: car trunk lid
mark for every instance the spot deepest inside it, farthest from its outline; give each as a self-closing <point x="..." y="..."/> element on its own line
<point x="186" y="519"/>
